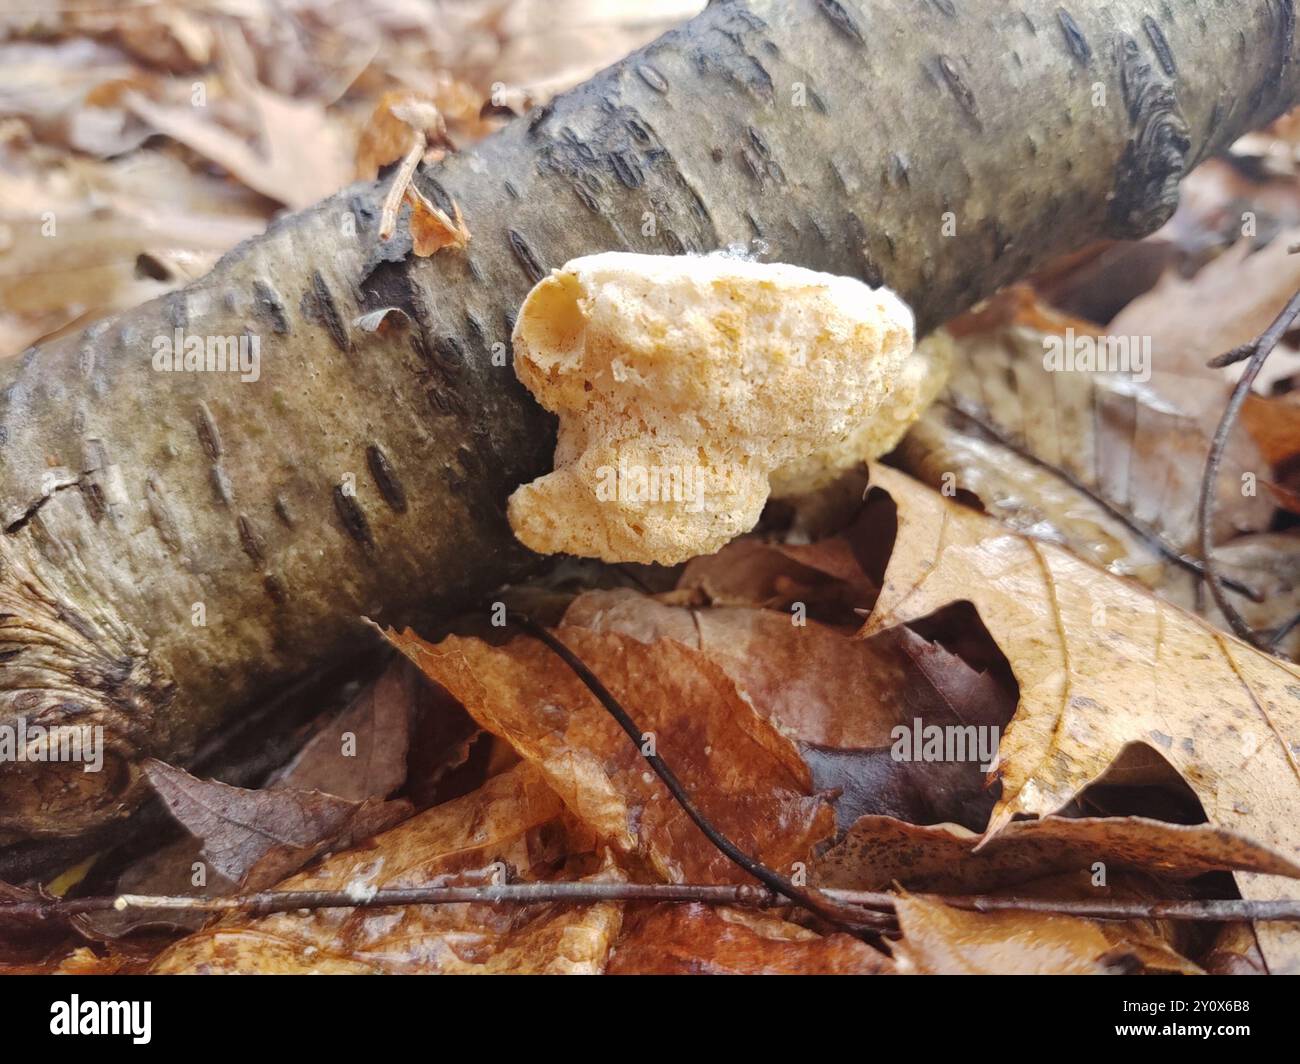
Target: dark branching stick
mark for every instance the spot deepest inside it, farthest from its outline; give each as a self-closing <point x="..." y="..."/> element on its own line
<point x="812" y="900"/>
<point x="873" y="907"/>
<point x="1257" y="352"/>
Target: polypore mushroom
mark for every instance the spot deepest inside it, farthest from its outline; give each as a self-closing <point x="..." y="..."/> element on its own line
<point x="689" y="388"/>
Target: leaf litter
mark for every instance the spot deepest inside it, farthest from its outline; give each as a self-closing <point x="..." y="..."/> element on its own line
<point x="1131" y="734"/>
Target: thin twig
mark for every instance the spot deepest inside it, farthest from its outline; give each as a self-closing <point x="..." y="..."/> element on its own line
<point x="811" y="900"/>
<point x="401" y="182"/>
<point x="1260" y="349"/>
<point x="1275" y="640"/>
<point x="1230" y="358"/>
<point x="265" y="902"/>
<point x="875" y="907"/>
<point x="1208" y="910"/>
<point x="1150" y="536"/>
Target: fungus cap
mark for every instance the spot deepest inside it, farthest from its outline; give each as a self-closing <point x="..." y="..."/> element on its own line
<point x="689" y="387"/>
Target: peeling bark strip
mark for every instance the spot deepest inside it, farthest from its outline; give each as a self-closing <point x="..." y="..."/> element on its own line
<point x="841" y="131"/>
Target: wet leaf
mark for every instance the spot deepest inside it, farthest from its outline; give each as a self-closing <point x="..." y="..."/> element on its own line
<point x="694" y="939"/>
<point x="813" y="682"/>
<point x="876" y="782"/>
<point x="842" y="698"/>
<point x="513" y="823"/>
<point x="745" y="775"/>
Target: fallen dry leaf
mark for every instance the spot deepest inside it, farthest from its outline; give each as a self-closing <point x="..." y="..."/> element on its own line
<point x="1228" y="302"/>
<point x="832" y="577"/>
<point x="362" y="752"/>
<point x="943" y="859"/>
<point x="255" y="838"/>
<point x="1270" y="563"/>
<point x="431" y="228"/>
<point x="1110" y="468"/>
<point x="1101" y="665"/>
<point x="75" y="233"/>
<point x="300" y="155"/>
<point x="1138" y="447"/>
<point x="944" y="449"/>
<point x="1100" y="279"/>
<point x="694" y="939"/>
<point x="1151" y="946"/>
<point x="1035" y="500"/>
<point x="556" y="44"/>
<point x="512" y="823"/>
<point x="1235" y="952"/>
<point x="389" y="135"/>
<point x="46" y="83"/>
<point x="940" y="940"/>
<point x="745" y="775"/>
<point x="175" y="870"/>
<point x="1274" y="423"/>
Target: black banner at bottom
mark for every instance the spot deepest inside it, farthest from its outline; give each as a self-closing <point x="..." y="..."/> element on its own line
<point x="344" y="1014"/>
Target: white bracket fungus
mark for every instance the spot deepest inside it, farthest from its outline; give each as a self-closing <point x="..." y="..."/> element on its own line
<point x="688" y="388"/>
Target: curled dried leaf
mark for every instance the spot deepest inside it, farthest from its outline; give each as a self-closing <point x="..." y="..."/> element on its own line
<point x="431" y="229"/>
<point x="880" y="851"/>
